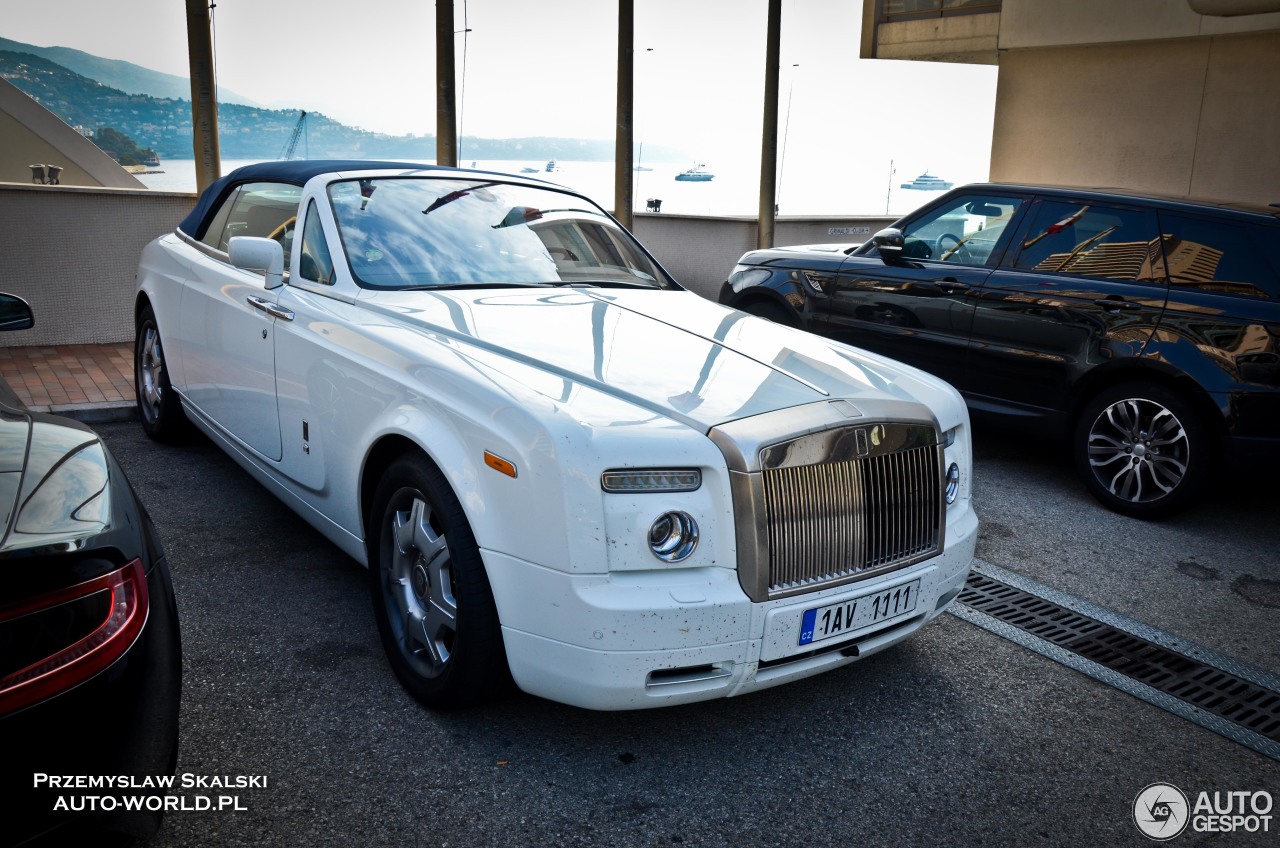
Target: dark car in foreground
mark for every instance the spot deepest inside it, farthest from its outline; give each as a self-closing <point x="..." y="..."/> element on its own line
<point x="90" y="660"/>
<point x="1144" y="330"/>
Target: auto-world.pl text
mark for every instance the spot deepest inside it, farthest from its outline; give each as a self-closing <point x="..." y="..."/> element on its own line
<point x="157" y="799"/>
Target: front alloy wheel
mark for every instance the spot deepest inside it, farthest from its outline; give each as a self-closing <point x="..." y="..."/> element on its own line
<point x="419" y="589"/>
<point x="431" y="596"/>
<point x="1141" y="451"/>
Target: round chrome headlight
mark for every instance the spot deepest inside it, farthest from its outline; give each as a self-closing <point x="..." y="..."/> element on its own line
<point x="673" y="536"/>
<point x="953" y="483"/>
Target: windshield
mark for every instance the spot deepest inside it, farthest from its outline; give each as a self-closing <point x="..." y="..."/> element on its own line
<point x="411" y="232"/>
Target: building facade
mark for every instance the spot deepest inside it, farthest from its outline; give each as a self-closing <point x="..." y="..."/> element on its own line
<point x="1178" y="97"/>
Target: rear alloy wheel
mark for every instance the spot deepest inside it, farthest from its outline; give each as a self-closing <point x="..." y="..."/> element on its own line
<point x="431" y="597"/>
<point x="1142" y="451"/>
<point x="158" y="406"/>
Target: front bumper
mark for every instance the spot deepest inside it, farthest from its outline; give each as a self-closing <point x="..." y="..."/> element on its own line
<point x="659" y="638"/>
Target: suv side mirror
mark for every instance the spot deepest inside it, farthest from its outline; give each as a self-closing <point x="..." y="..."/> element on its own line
<point x="890" y="243"/>
<point x="15" y="314"/>
<point x="258" y="254"/>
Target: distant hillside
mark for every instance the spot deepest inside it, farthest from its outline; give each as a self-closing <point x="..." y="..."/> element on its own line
<point x="163" y="124"/>
<point x="114" y="73"/>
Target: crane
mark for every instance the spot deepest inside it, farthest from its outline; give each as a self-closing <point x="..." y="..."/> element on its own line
<point x="287" y="153"/>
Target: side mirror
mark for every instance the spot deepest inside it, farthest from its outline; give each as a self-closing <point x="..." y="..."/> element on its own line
<point x="15" y="314"/>
<point x="889" y="242"/>
<point x="263" y="255"/>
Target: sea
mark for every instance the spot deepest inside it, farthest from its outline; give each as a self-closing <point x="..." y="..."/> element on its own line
<point x="852" y="191"/>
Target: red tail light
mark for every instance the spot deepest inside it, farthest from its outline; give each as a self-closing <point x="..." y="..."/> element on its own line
<point x="63" y="666"/>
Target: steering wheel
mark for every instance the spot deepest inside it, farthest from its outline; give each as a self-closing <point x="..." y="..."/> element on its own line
<point x="959" y="250"/>
<point x="279" y="233"/>
<point x="938" y="243"/>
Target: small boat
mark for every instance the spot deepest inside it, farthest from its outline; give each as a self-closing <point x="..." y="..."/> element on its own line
<point x="696" y="174"/>
<point x="551" y="166"/>
<point x="928" y="182"/>
<point x="529" y="171"/>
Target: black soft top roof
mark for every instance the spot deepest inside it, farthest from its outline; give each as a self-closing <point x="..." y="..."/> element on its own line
<point x="294" y="172"/>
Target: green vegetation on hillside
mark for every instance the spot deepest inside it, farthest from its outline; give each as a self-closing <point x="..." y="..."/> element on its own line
<point x="121" y="148"/>
<point x="164" y="125"/>
<point x="126" y="76"/>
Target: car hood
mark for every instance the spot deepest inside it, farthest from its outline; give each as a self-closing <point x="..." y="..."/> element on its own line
<point x="53" y="480"/>
<point x="672" y="352"/>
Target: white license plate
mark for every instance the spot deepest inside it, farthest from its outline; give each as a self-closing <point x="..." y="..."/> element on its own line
<point x="822" y="623"/>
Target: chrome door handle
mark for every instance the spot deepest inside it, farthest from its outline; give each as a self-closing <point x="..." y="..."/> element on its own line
<point x="1115" y="304"/>
<point x="270" y="308"/>
<point x="950" y="285"/>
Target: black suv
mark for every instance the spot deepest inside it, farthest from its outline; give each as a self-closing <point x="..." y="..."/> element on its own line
<point x="1144" y="329"/>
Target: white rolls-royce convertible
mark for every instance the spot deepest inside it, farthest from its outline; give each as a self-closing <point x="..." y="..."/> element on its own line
<point x="559" y="467"/>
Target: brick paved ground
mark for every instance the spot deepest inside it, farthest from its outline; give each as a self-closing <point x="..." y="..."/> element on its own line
<point x="59" y="375"/>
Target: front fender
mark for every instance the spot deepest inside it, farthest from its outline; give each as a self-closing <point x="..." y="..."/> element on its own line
<point x="553" y="512"/>
<point x="162" y="277"/>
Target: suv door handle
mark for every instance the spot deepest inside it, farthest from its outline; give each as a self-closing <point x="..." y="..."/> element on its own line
<point x="270" y="308"/>
<point x="1115" y="303"/>
<point x="950" y="285"/>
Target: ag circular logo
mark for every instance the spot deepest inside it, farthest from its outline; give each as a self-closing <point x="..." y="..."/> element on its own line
<point x="1160" y="811"/>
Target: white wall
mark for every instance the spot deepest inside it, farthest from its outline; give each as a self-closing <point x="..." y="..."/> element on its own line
<point x="73" y="254"/>
<point x="1060" y="23"/>
<point x="1192" y="116"/>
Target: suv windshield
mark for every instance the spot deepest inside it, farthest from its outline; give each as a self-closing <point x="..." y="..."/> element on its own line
<point x="411" y="232"/>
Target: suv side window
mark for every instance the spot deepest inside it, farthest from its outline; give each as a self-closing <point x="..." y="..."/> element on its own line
<point x="267" y="210"/>
<point x="1092" y="240"/>
<point x="1218" y="256"/>
<point x="965" y="232"/>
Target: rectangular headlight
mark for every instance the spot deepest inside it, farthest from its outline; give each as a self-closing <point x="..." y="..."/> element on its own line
<point x="651" y="480"/>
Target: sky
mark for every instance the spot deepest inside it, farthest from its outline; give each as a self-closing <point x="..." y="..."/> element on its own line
<point x="547" y="67"/>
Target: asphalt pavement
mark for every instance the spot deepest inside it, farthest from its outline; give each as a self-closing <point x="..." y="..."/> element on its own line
<point x="956" y="737"/>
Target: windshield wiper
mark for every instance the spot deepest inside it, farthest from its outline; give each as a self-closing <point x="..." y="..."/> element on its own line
<point x="444" y="200"/>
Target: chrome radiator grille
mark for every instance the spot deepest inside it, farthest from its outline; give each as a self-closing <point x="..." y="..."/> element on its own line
<point x="831" y="522"/>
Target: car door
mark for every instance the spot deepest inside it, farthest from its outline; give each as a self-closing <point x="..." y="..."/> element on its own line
<point x="321" y="394"/>
<point x="918" y="309"/>
<point x="226" y="326"/>
<point x="1084" y="285"/>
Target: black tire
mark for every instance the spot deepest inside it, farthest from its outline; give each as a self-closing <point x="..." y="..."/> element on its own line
<point x="431" y="596"/>
<point x="1142" y="450"/>
<point x="159" y="408"/>
<point x="770" y="311"/>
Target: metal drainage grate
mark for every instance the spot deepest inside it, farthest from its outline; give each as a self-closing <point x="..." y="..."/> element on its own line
<point x="1244" y="704"/>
